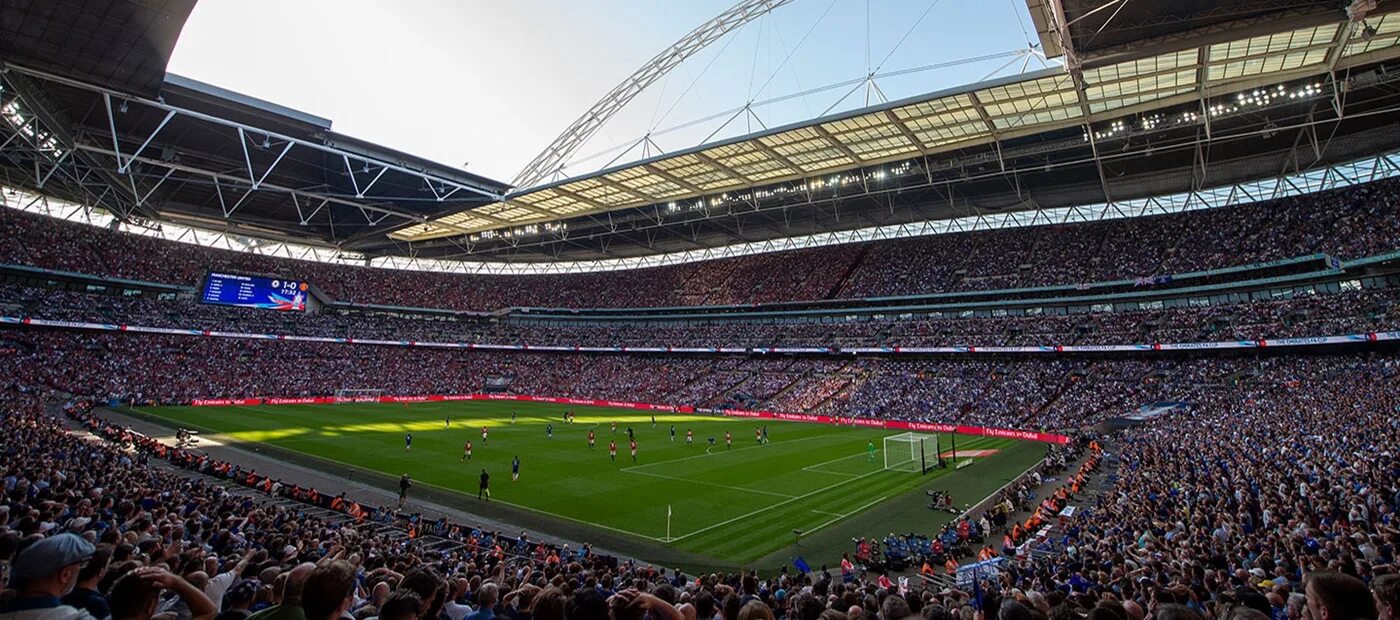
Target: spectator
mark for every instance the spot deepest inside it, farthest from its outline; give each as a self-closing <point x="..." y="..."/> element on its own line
<point x="329" y="591"/>
<point x="44" y="572"/>
<point x="135" y="596"/>
<point x="1334" y="596"/>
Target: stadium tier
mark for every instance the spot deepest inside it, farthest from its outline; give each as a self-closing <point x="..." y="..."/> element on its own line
<point x="1351" y="223"/>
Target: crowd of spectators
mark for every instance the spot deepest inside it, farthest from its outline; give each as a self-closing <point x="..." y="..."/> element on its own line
<point x="1346" y="223"/>
<point x="1051" y="393"/>
<point x="1358" y="311"/>
<point x="1232" y="502"/>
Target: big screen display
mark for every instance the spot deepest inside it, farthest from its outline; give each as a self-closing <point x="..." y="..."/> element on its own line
<point x="255" y="292"/>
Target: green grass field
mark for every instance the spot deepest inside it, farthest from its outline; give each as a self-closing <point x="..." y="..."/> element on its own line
<point x="732" y="505"/>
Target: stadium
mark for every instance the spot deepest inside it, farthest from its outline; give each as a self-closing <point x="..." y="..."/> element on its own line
<point x="1108" y="333"/>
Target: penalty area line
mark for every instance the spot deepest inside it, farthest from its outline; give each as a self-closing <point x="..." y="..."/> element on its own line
<point x="708" y="484"/>
<point x="780" y="504"/>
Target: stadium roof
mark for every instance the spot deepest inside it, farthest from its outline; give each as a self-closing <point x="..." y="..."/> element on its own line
<point x="978" y="114"/>
<point x="88" y="114"/>
<point x="1151" y="100"/>
<point x="123" y="44"/>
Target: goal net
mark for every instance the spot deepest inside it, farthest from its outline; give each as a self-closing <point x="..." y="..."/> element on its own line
<point x="358" y="394"/>
<point x="913" y="452"/>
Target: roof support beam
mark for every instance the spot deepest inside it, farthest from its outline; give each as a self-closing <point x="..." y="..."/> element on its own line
<point x="528" y="207"/>
<point x="838" y="145"/>
<point x="682" y="183"/>
<point x="904" y="131"/>
<point x="579" y="197"/>
<point x="626" y="190"/>
<point x="303" y="194"/>
<point x="715" y="163"/>
<point x="782" y="159"/>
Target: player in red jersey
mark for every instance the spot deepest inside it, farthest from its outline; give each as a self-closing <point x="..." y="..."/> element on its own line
<point x="590" y="440"/>
<point x="466" y="452"/>
<point x="612" y="450"/>
<point x="728" y="440"/>
<point x="483" y="435"/>
<point x="689" y="436"/>
<point x="634" y="450"/>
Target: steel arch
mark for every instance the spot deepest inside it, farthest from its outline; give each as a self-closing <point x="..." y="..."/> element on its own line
<point x="552" y="159"/>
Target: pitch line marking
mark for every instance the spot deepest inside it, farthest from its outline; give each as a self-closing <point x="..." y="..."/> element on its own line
<point x="853" y="512"/>
<point x="729" y="451"/>
<point x="709" y="484"/>
<point x="831" y="514"/>
<point x="783" y="503"/>
<point x="813" y="467"/>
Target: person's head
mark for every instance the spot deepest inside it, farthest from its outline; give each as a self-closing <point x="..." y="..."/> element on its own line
<point x="756" y="610"/>
<point x="380" y="593"/>
<point x="704" y="603"/>
<point x="894" y="608"/>
<point x="1240" y="612"/>
<point x="329" y="591"/>
<point x="1177" y="611"/>
<point x="296" y="583"/>
<point x="833" y="614"/>
<point x="587" y="604"/>
<point x="241" y="595"/>
<point x="401" y="605"/>
<point x="51" y="565"/>
<point x="1386" y="592"/>
<point x="422" y="581"/>
<point x="488" y="595"/>
<point x="1012" y="610"/>
<point x="549" y="604"/>
<point x="1334" y="596"/>
<point x="96" y="567"/>
<point x="134" y="596"/>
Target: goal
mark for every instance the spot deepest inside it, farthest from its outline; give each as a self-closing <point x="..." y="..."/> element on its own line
<point x="358" y="394"/>
<point x="912" y="452"/>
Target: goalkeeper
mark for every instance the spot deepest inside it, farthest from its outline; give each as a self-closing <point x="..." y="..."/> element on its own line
<point x="870" y="451"/>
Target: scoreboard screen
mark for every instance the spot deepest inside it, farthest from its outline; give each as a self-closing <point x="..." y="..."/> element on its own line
<point x="255" y="292"/>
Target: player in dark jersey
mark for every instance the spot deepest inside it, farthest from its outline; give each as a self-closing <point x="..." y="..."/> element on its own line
<point x="407" y="442"/>
<point x="515" y="468"/>
<point x="590" y="440"/>
<point x="485" y="488"/>
<point x="404" y="485"/>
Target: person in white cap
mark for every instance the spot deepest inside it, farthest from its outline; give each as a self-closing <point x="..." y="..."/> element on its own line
<point x="45" y="572"/>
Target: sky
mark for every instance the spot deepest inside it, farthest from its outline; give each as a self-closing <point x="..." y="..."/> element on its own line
<point x="489" y="84"/>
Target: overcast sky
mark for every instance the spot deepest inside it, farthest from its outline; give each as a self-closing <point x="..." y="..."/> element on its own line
<point x="491" y="83"/>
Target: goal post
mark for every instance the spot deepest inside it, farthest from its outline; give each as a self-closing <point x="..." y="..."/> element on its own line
<point x="911" y="452"/>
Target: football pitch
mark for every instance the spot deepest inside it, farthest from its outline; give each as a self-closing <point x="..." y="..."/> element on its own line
<point x="729" y="504"/>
